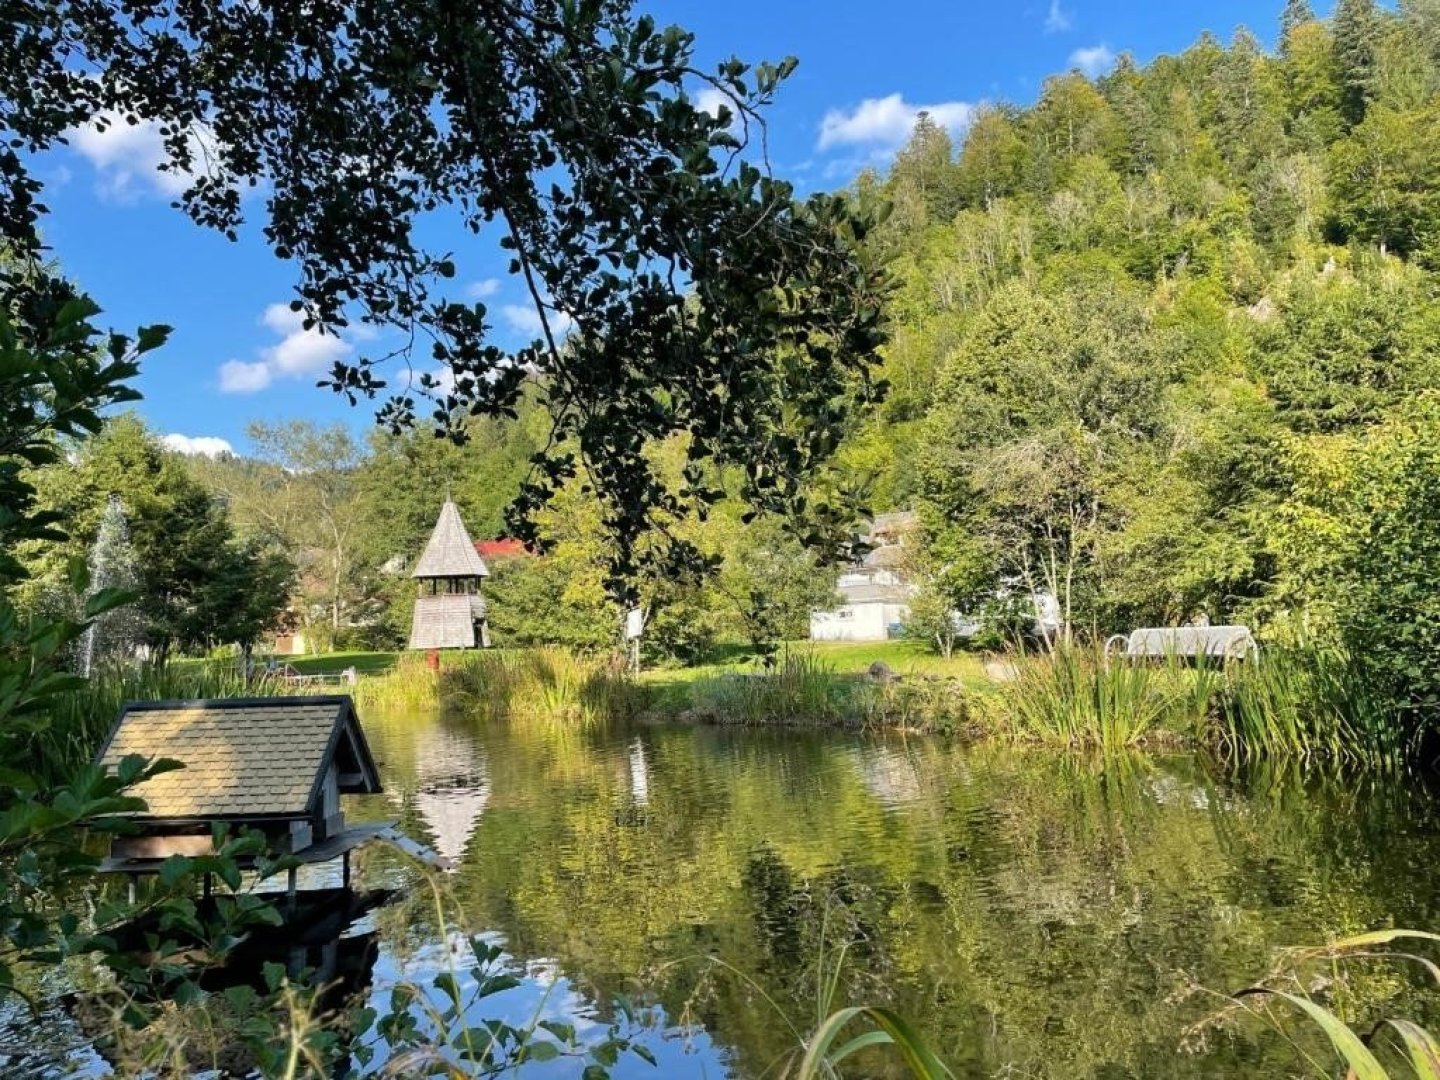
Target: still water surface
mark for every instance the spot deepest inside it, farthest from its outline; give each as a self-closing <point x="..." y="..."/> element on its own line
<point x="1035" y="915"/>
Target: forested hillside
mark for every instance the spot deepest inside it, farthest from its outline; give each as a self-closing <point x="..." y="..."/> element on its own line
<point x="1166" y="343"/>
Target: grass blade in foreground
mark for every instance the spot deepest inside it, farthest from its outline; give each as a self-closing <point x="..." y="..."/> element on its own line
<point x="820" y="1061"/>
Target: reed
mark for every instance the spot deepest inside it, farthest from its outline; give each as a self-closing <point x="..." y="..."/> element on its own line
<point x="802" y="690"/>
<point x="1311" y="704"/>
<point x="1076" y="697"/>
<point x="408" y="684"/>
<point x="920" y="704"/>
<point x="546" y="686"/>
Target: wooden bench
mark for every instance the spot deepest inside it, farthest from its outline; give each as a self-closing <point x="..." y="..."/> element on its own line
<point x="1187" y="642"/>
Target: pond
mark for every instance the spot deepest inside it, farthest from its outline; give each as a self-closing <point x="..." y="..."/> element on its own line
<point x="1034" y="914"/>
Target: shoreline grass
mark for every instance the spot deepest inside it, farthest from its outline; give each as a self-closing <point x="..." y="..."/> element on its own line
<point x="1303" y="704"/>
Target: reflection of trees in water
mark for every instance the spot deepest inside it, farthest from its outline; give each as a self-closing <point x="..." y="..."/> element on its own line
<point x="1029" y="910"/>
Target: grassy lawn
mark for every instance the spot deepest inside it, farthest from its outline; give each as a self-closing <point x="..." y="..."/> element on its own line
<point x="366" y="663"/>
<point x="846" y="658"/>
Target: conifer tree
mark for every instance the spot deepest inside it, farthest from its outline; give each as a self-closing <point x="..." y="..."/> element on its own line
<point x="1357" y="33"/>
<point x="1296" y="13"/>
<point x="925" y="173"/>
<point x="115" y="635"/>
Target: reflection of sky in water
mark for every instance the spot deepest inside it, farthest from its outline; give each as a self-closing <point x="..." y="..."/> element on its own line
<point x="543" y="994"/>
<point x="1033" y="914"/>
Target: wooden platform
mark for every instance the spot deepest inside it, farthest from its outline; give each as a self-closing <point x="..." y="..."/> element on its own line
<point x="335" y="847"/>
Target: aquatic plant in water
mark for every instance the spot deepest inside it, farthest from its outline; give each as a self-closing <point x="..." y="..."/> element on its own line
<point x="1316" y="986"/>
<point x="1080" y="698"/>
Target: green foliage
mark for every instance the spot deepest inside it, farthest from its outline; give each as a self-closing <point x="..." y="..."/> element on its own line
<point x="702" y="298"/>
<point x="196" y="584"/>
<point x="1360" y="552"/>
<point x="1357" y="33"/>
<point x="298" y="492"/>
<point x="57" y="380"/>
<point x="1378" y="1050"/>
<point x="1082" y="699"/>
<point x="54" y="381"/>
<point x="1161" y="344"/>
<point x="1314" y="703"/>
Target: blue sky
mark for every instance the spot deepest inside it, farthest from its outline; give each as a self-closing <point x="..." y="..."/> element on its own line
<point x="865" y="69"/>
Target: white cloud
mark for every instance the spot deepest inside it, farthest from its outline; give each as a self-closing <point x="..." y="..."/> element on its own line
<point x="524" y="319"/>
<point x="128" y="156"/>
<point x="238" y="377"/>
<point x="1094" y="61"/>
<point x="1057" y="19"/>
<point x="887" y="122"/>
<point x="710" y="100"/>
<point x="483" y="290"/>
<point x="197" y="445"/>
<point x="299" y="352"/>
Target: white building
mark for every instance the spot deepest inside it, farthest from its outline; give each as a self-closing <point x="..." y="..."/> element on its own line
<point x="874" y="596"/>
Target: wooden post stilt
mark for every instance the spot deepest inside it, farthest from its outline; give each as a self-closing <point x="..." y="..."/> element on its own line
<point x="345" y="870"/>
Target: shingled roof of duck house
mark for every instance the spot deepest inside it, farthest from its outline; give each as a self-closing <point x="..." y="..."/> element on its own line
<point x="452" y="614"/>
<point x="275" y="764"/>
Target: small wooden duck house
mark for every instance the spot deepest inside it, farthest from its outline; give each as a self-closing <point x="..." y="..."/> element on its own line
<point x="278" y="765"/>
<point x="450" y="611"/>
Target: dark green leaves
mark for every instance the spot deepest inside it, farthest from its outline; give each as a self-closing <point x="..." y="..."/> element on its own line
<point x="665" y="262"/>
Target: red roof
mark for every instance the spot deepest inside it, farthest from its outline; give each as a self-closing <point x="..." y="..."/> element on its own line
<point x="500" y="549"/>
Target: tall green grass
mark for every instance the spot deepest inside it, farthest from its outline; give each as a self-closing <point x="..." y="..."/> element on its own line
<point x="802" y="690"/>
<point x="1312" y="704"/>
<point x="1078" y="698"/>
<point x="408" y="684"/>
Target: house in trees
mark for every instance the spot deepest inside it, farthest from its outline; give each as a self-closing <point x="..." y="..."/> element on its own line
<point x="875" y="596"/>
<point x="450" y="610"/>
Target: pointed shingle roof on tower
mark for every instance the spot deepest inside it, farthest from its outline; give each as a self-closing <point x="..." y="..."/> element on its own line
<point x="450" y="552"/>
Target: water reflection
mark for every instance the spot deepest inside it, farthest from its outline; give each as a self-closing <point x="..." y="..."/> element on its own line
<point x="450" y="787"/>
<point x="1035" y="914"/>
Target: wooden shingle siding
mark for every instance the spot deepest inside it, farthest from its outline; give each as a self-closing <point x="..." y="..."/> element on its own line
<point x="443" y="622"/>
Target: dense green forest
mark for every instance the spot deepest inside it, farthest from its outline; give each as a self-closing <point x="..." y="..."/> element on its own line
<point x="1163" y="344"/>
<point x="1166" y="343"/>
